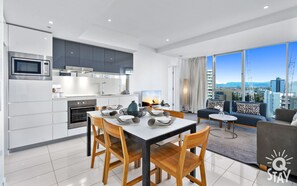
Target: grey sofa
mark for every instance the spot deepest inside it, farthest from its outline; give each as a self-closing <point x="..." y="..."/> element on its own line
<point x="204" y="113"/>
<point x="249" y="119"/>
<point x="278" y="135"/>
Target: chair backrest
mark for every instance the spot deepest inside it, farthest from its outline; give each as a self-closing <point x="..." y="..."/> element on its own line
<point x="176" y="113"/>
<point x="97" y="123"/>
<point x="117" y="132"/>
<point x="192" y="141"/>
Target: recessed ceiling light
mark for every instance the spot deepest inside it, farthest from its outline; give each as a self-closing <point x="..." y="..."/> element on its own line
<point x="109" y="20"/>
<point x="51" y="22"/>
<point x="266" y="7"/>
<point x="45" y="38"/>
<point x="167" y="40"/>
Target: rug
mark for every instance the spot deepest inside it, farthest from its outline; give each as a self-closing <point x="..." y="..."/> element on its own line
<point x="243" y="148"/>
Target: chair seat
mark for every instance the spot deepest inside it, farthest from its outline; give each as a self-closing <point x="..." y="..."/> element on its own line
<point x="167" y="156"/>
<point x="134" y="150"/>
<point x="101" y="140"/>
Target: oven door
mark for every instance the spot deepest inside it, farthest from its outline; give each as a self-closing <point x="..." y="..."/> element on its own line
<point x="78" y="116"/>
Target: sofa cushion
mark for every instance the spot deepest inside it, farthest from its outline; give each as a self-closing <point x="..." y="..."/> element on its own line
<point x="248" y="108"/>
<point x="248" y="119"/>
<point x="204" y="113"/>
<point x="214" y="104"/>
<point x="280" y="122"/>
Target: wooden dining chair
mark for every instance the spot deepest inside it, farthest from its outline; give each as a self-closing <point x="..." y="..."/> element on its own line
<point x="126" y="151"/>
<point x="97" y="127"/>
<point x="178" y="161"/>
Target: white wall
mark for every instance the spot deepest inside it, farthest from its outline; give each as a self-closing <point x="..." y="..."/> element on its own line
<point x="1" y="95"/>
<point x="150" y="71"/>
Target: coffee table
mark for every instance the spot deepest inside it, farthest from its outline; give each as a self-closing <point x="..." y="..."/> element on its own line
<point x="228" y="119"/>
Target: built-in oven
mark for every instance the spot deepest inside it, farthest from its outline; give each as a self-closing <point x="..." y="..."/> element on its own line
<point x="29" y="66"/>
<point x="77" y="112"/>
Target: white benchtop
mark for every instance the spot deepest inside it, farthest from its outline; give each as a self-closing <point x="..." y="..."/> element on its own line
<point x="86" y="97"/>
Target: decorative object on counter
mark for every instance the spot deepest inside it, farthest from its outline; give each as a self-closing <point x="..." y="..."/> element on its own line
<point x="158" y="113"/>
<point x="142" y="112"/>
<point x="125" y="92"/>
<point x="161" y="121"/>
<point x="125" y="119"/>
<point x="57" y="91"/>
<point x="163" y="104"/>
<point x="108" y="113"/>
<point x="112" y="107"/>
<point x="133" y="109"/>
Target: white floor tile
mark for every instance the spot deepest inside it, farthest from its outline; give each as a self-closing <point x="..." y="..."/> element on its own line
<point x="23" y="164"/>
<point x="66" y="144"/>
<point x="244" y="171"/>
<point x="42" y="180"/>
<point x="220" y="161"/>
<point x="73" y="170"/>
<point x="112" y="180"/>
<point x="25" y="154"/>
<point x="90" y="177"/>
<point x="208" y="154"/>
<point x="28" y="173"/>
<point x="262" y="180"/>
<point x="230" y="179"/>
<point x="69" y="161"/>
<point x="69" y="152"/>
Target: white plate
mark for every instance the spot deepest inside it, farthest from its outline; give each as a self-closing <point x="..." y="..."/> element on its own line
<point x="157" y="111"/>
<point x="107" y="111"/>
<point x="163" y="119"/>
<point x="113" y="106"/>
<point x="126" y="117"/>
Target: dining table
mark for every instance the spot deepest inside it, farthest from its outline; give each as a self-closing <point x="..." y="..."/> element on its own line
<point x="146" y="136"/>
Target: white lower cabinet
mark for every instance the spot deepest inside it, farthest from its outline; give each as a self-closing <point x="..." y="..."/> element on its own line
<point x="60" y="117"/>
<point x="77" y="131"/>
<point x="60" y="130"/>
<point x="27" y="108"/>
<point x="102" y="102"/>
<point x="23" y="137"/>
<point x="28" y="121"/>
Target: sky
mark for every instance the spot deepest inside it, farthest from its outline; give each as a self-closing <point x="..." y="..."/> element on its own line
<point x="262" y="64"/>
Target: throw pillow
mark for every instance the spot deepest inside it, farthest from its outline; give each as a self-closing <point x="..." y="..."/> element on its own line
<point x="214" y="104"/>
<point x="294" y="123"/>
<point x="211" y="104"/>
<point x="248" y="108"/>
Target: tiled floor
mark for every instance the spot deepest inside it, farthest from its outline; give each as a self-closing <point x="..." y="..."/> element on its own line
<point x="66" y="164"/>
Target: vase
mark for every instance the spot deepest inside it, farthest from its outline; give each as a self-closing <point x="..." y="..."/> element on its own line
<point x="133" y="109"/>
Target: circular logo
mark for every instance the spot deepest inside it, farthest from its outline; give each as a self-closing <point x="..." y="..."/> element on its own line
<point x="279" y="164"/>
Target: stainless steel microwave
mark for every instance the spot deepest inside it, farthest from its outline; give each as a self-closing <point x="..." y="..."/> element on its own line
<point x="29" y="66"/>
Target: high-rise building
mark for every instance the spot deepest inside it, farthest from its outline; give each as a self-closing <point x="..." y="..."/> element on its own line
<point x="209" y="83"/>
<point x="273" y="101"/>
<point x="277" y="85"/>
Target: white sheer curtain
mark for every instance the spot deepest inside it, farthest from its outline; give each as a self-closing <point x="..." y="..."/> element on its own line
<point x="193" y="89"/>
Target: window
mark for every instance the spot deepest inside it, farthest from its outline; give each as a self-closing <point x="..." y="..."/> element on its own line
<point x="292" y="76"/>
<point x="228" y="77"/>
<point x="265" y="76"/>
<point x="209" y="77"/>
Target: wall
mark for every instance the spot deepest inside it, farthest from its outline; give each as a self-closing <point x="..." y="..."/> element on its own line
<point x="1" y="94"/>
<point x="150" y="71"/>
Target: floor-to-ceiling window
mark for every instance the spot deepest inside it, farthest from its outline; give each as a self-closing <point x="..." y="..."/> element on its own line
<point x="209" y="77"/>
<point x="265" y="76"/>
<point x="292" y="75"/>
<point x="228" y="69"/>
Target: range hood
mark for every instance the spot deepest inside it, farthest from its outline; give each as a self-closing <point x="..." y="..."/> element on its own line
<point x="78" y="69"/>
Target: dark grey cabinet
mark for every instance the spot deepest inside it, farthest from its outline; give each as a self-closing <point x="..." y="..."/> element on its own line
<point x="68" y="53"/>
<point x="86" y="56"/>
<point x="110" y="64"/>
<point x="125" y="61"/>
<point x="72" y="55"/>
<point x="98" y="59"/>
<point x="58" y="53"/>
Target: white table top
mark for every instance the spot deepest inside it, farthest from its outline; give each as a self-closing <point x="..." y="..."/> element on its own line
<point x="222" y="117"/>
<point x="142" y="130"/>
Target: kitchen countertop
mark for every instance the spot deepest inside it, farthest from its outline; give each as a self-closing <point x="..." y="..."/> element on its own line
<point x="86" y="97"/>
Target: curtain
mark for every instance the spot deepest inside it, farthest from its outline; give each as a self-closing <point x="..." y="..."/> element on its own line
<point x="193" y="88"/>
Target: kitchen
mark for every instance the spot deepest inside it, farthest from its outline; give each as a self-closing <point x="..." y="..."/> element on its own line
<point x="52" y="83"/>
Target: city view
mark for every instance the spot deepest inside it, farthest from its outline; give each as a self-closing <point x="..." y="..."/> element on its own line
<point x="264" y="77"/>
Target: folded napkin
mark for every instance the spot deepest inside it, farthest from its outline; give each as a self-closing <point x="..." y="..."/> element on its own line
<point x="112" y="107"/>
<point x="155" y="122"/>
<point x="109" y="114"/>
<point x="133" y="120"/>
<point x="142" y="112"/>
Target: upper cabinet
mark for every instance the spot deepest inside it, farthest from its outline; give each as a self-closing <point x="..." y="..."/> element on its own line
<point x="67" y="53"/>
<point x="72" y="53"/>
<point x="98" y="59"/>
<point x="59" y="53"/>
<point x="29" y="41"/>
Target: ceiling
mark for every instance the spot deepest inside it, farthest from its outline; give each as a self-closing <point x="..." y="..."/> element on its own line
<point x="133" y="22"/>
